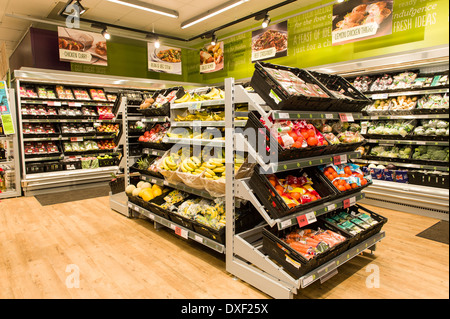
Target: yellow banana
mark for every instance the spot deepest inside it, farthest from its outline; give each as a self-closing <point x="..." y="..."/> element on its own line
<point x="219" y="169"/>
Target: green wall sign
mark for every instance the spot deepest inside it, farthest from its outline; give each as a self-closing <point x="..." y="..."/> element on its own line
<point x="416" y="24"/>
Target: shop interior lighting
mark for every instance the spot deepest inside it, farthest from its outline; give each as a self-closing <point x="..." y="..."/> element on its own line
<point x="82" y="9"/>
<point x="106" y="34"/>
<point x="157" y="43"/>
<point x="211" y="13"/>
<point x="68" y="8"/>
<point x="213" y="39"/>
<point x="147" y="7"/>
<point x="266" y="21"/>
<point x="228" y="5"/>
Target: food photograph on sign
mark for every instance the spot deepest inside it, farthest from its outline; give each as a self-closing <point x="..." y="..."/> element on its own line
<point x="164" y="59"/>
<point x="82" y="47"/>
<point x="357" y="20"/>
<point x="211" y="58"/>
<point x="271" y="42"/>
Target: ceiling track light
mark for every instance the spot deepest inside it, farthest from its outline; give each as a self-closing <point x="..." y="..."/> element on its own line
<point x="266" y="21"/>
<point x="211" y="13"/>
<point x="213" y="39"/>
<point x="73" y="6"/>
<point x="82" y="9"/>
<point x="147" y="7"/>
<point x="106" y="34"/>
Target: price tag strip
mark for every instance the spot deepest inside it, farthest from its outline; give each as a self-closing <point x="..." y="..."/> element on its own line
<point x="311" y="217"/>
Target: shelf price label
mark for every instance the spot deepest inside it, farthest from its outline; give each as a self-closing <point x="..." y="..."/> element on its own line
<point x="349" y="202"/>
<point x="53" y="103"/>
<point x="346" y="117"/>
<point x="76" y="139"/>
<point x="306" y="219"/>
<point x="181" y="232"/>
<point x="340" y="159"/>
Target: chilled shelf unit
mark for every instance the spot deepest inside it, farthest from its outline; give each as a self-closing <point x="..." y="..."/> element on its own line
<point x="9" y="157"/>
<point x="415" y="177"/>
<point x="70" y="131"/>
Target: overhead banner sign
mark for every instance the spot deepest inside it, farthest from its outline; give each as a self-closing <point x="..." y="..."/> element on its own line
<point x="6" y="118"/>
<point x="357" y="20"/>
<point x="164" y="59"/>
<point x="82" y="47"/>
<point x="271" y="42"/>
<point x="211" y="58"/>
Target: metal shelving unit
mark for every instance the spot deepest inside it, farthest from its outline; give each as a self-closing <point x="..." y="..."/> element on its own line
<point x="179" y="230"/>
<point x="245" y="257"/>
<point x="407" y="142"/>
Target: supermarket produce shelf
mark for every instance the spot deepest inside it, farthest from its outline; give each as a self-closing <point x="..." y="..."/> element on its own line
<point x="67" y="138"/>
<point x="271" y="168"/>
<point x="244" y="191"/>
<point x="192" y="141"/>
<point x="158" y="119"/>
<point x="405" y="165"/>
<point x="60" y="102"/>
<point x="406" y="117"/>
<point x="322" y="271"/>
<point x="293" y="115"/>
<point x="267" y="275"/>
<point x="179" y="230"/>
<point x="148" y="151"/>
<point x="197" y="105"/>
<point x="79" y="172"/>
<point x="258" y="104"/>
<point x="66" y="120"/>
<point x="409" y="142"/>
<point x="44" y="159"/>
<point x="423" y="91"/>
<point x="238" y="123"/>
<point x="179" y="186"/>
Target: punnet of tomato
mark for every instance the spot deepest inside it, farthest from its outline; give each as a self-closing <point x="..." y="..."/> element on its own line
<point x="346" y="177"/>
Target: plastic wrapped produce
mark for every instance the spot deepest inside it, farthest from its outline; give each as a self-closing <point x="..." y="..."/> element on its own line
<point x="403" y="81"/>
<point x="403" y="104"/>
<point x="382" y="83"/>
<point x="433" y="101"/>
<point x="379" y="107"/>
<point x="350" y="137"/>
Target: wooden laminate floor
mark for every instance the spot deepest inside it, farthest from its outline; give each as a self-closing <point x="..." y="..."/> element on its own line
<point x="42" y="249"/>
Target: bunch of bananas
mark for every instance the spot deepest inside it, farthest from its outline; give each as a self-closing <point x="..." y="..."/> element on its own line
<point x="170" y="163"/>
<point x="215" y="169"/>
<point x="201" y="116"/>
<point x="192" y="165"/>
<point x="214" y="94"/>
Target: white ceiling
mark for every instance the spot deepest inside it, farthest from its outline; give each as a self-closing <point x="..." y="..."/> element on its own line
<point x="13" y="29"/>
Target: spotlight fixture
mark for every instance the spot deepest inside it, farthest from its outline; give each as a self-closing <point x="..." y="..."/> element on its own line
<point x="157" y="43"/>
<point x="211" y="13"/>
<point x="340" y="1"/>
<point x="147" y="7"/>
<point x="106" y="34"/>
<point x="72" y="6"/>
<point x="213" y="39"/>
<point x="82" y="9"/>
<point x="266" y="21"/>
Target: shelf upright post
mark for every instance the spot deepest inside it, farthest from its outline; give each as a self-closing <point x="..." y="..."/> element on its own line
<point x="229" y="165"/>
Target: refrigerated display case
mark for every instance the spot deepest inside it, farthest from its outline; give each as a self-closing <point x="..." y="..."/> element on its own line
<point x="9" y="157"/>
